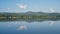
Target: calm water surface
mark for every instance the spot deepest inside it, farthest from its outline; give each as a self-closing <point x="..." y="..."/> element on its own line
<point x="23" y="27"/>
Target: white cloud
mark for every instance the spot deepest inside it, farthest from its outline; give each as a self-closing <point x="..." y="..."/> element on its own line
<point x="8" y="8"/>
<point x="6" y="11"/>
<point x="51" y="10"/>
<point x="22" y="27"/>
<point x="22" y="6"/>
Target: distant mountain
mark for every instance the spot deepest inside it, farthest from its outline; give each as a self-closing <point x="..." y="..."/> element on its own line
<point x="30" y="13"/>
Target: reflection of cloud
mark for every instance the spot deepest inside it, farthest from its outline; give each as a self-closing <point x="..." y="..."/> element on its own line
<point x="22" y="27"/>
<point x="22" y="6"/>
<point x="16" y="22"/>
<point x="8" y="25"/>
<point x="51" y="23"/>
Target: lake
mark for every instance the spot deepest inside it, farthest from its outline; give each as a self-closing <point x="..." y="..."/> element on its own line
<point x="23" y="27"/>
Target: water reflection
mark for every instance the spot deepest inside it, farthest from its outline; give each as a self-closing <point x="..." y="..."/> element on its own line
<point x="23" y="27"/>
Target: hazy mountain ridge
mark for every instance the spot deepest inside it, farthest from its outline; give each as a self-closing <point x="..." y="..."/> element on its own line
<point x="31" y="13"/>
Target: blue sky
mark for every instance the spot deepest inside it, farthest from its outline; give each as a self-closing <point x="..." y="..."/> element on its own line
<point x="29" y="5"/>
